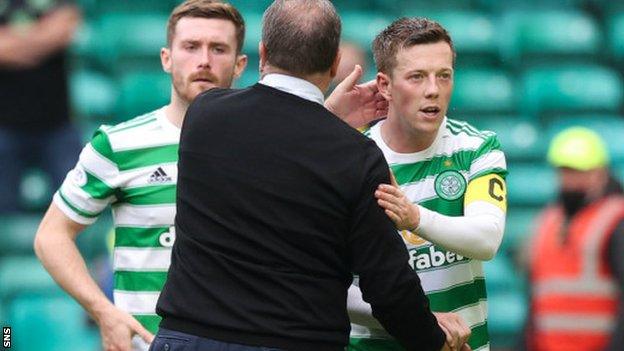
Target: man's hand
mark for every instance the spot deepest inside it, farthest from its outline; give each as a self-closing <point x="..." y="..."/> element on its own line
<point x="117" y="329"/>
<point x="456" y="330"/>
<point x="397" y="206"/>
<point x="357" y="104"/>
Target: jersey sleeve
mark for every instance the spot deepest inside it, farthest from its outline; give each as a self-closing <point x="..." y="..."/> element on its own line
<point x="90" y="187"/>
<point x="488" y="159"/>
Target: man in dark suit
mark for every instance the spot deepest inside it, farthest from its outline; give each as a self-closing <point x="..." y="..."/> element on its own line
<point x="275" y="211"/>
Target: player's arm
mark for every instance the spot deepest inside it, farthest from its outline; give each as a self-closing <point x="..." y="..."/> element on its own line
<point x="56" y="248"/>
<point x="357" y="104"/>
<point x="477" y="234"/>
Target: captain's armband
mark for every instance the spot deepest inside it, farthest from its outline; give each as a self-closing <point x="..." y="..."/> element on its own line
<point x="489" y="188"/>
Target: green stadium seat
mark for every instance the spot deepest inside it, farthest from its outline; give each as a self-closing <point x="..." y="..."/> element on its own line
<point x="571" y="88"/>
<point x="519" y="227"/>
<point x="501" y="275"/>
<point x="615" y="29"/>
<point x="18" y="234"/>
<point x="129" y="37"/>
<point x="135" y="6"/>
<point x="420" y="7"/>
<point x="531" y="184"/>
<point x="35" y="191"/>
<point x="247" y="7"/>
<point x="520" y="137"/>
<point x="92" y="94"/>
<point x="609" y="127"/>
<point x="483" y="91"/>
<point x="474" y="36"/>
<point x="362" y="27"/>
<point x="24" y="274"/>
<point x="50" y="323"/>
<point x="253" y="35"/>
<point x="507" y="313"/>
<point x="540" y="35"/>
<point x="142" y="92"/>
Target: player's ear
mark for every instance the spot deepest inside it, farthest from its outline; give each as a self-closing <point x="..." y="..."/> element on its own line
<point x="165" y="59"/>
<point x="384" y="86"/>
<point x="241" y="64"/>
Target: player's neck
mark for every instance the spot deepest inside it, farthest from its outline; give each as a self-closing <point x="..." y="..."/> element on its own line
<point x="176" y="110"/>
<point x="403" y="139"/>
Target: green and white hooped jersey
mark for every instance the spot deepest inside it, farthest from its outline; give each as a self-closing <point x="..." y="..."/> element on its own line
<point x="436" y="178"/>
<point x="133" y="167"/>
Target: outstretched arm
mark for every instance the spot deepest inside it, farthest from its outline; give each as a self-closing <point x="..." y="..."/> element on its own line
<point x="56" y="248"/>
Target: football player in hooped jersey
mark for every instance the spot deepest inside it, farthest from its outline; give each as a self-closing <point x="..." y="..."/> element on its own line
<point x="133" y="167"/>
<point x="449" y="197"/>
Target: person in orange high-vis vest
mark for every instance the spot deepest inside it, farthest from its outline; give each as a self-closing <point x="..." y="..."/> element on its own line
<point x="577" y="253"/>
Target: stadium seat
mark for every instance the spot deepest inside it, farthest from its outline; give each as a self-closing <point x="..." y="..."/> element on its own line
<point x="132" y="39"/>
<point x="35" y="191"/>
<point x="24" y="274"/>
<point x="422" y="7"/>
<point x="135" y="6"/>
<point x="615" y="32"/>
<point x="141" y="92"/>
<point x="51" y="323"/>
<point x="474" y="36"/>
<point x="253" y="35"/>
<point x="519" y="228"/>
<point x="537" y="36"/>
<point x="501" y="275"/>
<point x="609" y="127"/>
<point x="247" y="7"/>
<point x="531" y="184"/>
<point x="18" y="234"/>
<point x="483" y="91"/>
<point x="507" y="313"/>
<point x="362" y="27"/>
<point x="571" y="88"/>
<point x="93" y="94"/>
<point x="520" y="137"/>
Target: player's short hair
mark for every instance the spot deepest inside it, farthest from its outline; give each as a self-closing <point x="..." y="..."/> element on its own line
<point x="301" y="36"/>
<point x="207" y="9"/>
<point x="405" y="33"/>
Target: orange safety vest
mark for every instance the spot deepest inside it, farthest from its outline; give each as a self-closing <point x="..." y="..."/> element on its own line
<point x="574" y="297"/>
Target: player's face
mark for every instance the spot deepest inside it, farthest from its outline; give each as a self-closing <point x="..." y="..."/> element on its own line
<point x="420" y="86"/>
<point x="202" y="56"/>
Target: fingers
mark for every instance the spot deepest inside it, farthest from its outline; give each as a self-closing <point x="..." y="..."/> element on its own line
<point x="466" y="347"/>
<point x="449" y="338"/>
<point x="351" y="80"/>
<point x="142" y="332"/>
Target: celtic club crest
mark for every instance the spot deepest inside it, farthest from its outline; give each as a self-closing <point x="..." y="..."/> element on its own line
<point x="450" y="185"/>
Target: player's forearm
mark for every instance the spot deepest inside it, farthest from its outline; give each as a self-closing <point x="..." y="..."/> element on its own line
<point x="477" y="234"/>
<point x="59" y="254"/>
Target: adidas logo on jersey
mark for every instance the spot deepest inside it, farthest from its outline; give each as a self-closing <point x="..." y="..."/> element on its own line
<point x="159" y="176"/>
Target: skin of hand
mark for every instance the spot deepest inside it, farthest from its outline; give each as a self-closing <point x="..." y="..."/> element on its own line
<point x="56" y="248"/>
<point x="456" y="331"/>
<point x="397" y="206"/>
<point x="117" y="328"/>
<point x="357" y="104"/>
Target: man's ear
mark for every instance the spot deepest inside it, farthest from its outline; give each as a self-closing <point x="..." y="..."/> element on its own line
<point x="241" y="63"/>
<point x="334" y="67"/>
<point x="165" y="59"/>
<point x="384" y="85"/>
<point x="262" y="52"/>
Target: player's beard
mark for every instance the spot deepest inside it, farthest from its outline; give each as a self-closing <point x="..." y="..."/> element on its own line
<point x="187" y="88"/>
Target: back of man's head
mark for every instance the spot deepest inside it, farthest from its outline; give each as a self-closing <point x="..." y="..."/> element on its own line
<point x="301" y="36"/>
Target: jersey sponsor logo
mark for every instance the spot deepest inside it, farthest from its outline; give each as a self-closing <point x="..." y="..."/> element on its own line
<point x="412" y="238"/>
<point x="430" y="257"/>
<point x="450" y="185"/>
<point x="79" y="176"/>
<point x="166" y="239"/>
<point x="159" y="176"/>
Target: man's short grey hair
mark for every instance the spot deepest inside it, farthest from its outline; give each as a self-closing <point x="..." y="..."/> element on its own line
<point x="301" y="36"/>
